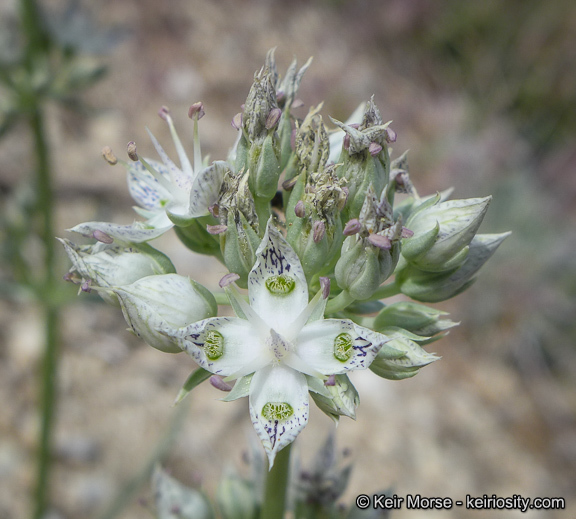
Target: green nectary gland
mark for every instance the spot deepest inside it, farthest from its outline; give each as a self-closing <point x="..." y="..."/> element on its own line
<point x="280" y="284"/>
<point x="214" y="345"/>
<point x="277" y="411"/>
<point x="343" y="347"/>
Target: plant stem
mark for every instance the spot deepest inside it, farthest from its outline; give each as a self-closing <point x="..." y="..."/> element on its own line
<point x="341" y="301"/>
<point x="277" y="486"/>
<point x="389" y="290"/>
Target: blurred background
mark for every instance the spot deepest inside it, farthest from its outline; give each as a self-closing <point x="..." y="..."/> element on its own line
<point x="483" y="94"/>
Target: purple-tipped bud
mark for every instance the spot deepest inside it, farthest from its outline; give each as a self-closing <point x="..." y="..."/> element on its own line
<point x="352" y="227"/>
<point x="196" y="111"/>
<point x="382" y="242"/>
<point x="228" y="279"/>
<point x="109" y="156"/>
<point x="102" y="237"/>
<point x="273" y="118"/>
<point x="319" y="231"/>
<point x="287" y="185"/>
<point x="299" y="210"/>
<point x="164" y="113"/>
<point x="218" y="383"/>
<point x="407" y="233"/>
<point x="325" y="286"/>
<point x="86" y="286"/>
<point x="390" y="135"/>
<point x="330" y="381"/>
<point x="131" y="149"/>
<point x="68" y="277"/>
<point x="237" y="121"/>
<point x="216" y="229"/>
<point x="374" y="149"/>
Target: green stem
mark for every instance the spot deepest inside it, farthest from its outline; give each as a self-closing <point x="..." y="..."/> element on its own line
<point x="389" y="290"/>
<point x="277" y="486"/>
<point x="338" y="303"/>
<point x="221" y="298"/>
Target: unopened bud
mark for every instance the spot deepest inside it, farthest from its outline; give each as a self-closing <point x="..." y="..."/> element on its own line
<point x="86" y="286"/>
<point x="218" y="383"/>
<point x="237" y="121"/>
<point x="102" y="237"/>
<point x="273" y="118"/>
<point x="228" y="279"/>
<point x="319" y="231"/>
<point x="380" y="241"/>
<point x="352" y="227"/>
<point x="216" y="229"/>
<point x="196" y="111"/>
<point x="131" y="149"/>
<point x="374" y="149"/>
<point x="109" y="156"/>
<point x="299" y="209"/>
<point x="390" y="135"/>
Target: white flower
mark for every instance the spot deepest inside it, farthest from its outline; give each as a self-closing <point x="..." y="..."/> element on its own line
<point x="277" y="341"/>
<point x="165" y="193"/>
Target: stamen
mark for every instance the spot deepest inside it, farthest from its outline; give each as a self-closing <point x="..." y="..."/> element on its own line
<point x="109" y="156"/>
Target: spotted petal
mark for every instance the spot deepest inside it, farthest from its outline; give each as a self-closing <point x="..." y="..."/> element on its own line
<point x="138" y="232"/>
<point x="278" y="407"/>
<point x="334" y="346"/>
<point x="144" y="188"/>
<point x="224" y="345"/>
<point x="276" y="284"/>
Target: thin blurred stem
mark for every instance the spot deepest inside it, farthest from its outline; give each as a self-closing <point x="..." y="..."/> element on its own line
<point x="338" y="303"/>
<point x="277" y="486"/>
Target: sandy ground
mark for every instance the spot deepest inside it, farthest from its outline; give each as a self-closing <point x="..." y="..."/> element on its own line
<point x="472" y="423"/>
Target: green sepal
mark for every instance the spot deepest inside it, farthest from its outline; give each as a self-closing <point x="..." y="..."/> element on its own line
<point x="195" y="379"/>
<point x="265" y="167"/>
<point x="420" y="243"/>
<point x="240" y="390"/>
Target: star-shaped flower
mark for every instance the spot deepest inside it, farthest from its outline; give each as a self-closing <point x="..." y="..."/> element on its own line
<point x="278" y="342"/>
<point x="165" y="193"/>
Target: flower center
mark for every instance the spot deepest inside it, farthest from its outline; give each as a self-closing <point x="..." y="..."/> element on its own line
<point x="278" y="345"/>
<point x="280" y="284"/>
<point x="277" y="411"/>
<point x="343" y="347"/>
<point x="214" y="345"/>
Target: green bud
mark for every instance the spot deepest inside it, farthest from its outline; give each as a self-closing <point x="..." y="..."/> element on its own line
<point x="340" y="399"/>
<point x="401" y="357"/>
<point x="358" y="269"/>
<point x="105" y="265"/>
<point x="264" y="167"/>
<point x="418" y="319"/>
<point x="175" y="500"/>
<point x="239" y="244"/>
<point x="442" y="232"/>
<point x="432" y="287"/>
<point x="155" y="306"/>
<point x="236" y="497"/>
<point x="197" y="238"/>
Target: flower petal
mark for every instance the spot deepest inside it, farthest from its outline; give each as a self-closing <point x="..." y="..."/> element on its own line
<point x="138" y="232"/>
<point x="144" y="188"/>
<point x="276" y="284"/>
<point x="334" y="346"/>
<point x="224" y="345"/>
<point x="180" y="178"/>
<point x="278" y="407"/>
<point x="206" y="188"/>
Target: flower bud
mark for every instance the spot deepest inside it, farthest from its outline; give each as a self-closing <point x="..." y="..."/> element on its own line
<point x="442" y="233"/>
<point x="401" y="357"/>
<point x="106" y="265"/>
<point x="339" y="399"/>
<point x="418" y="319"/>
<point x="432" y="287"/>
<point x="156" y="306"/>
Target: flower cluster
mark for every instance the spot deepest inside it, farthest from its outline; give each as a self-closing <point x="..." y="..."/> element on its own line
<point x="318" y="226"/>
